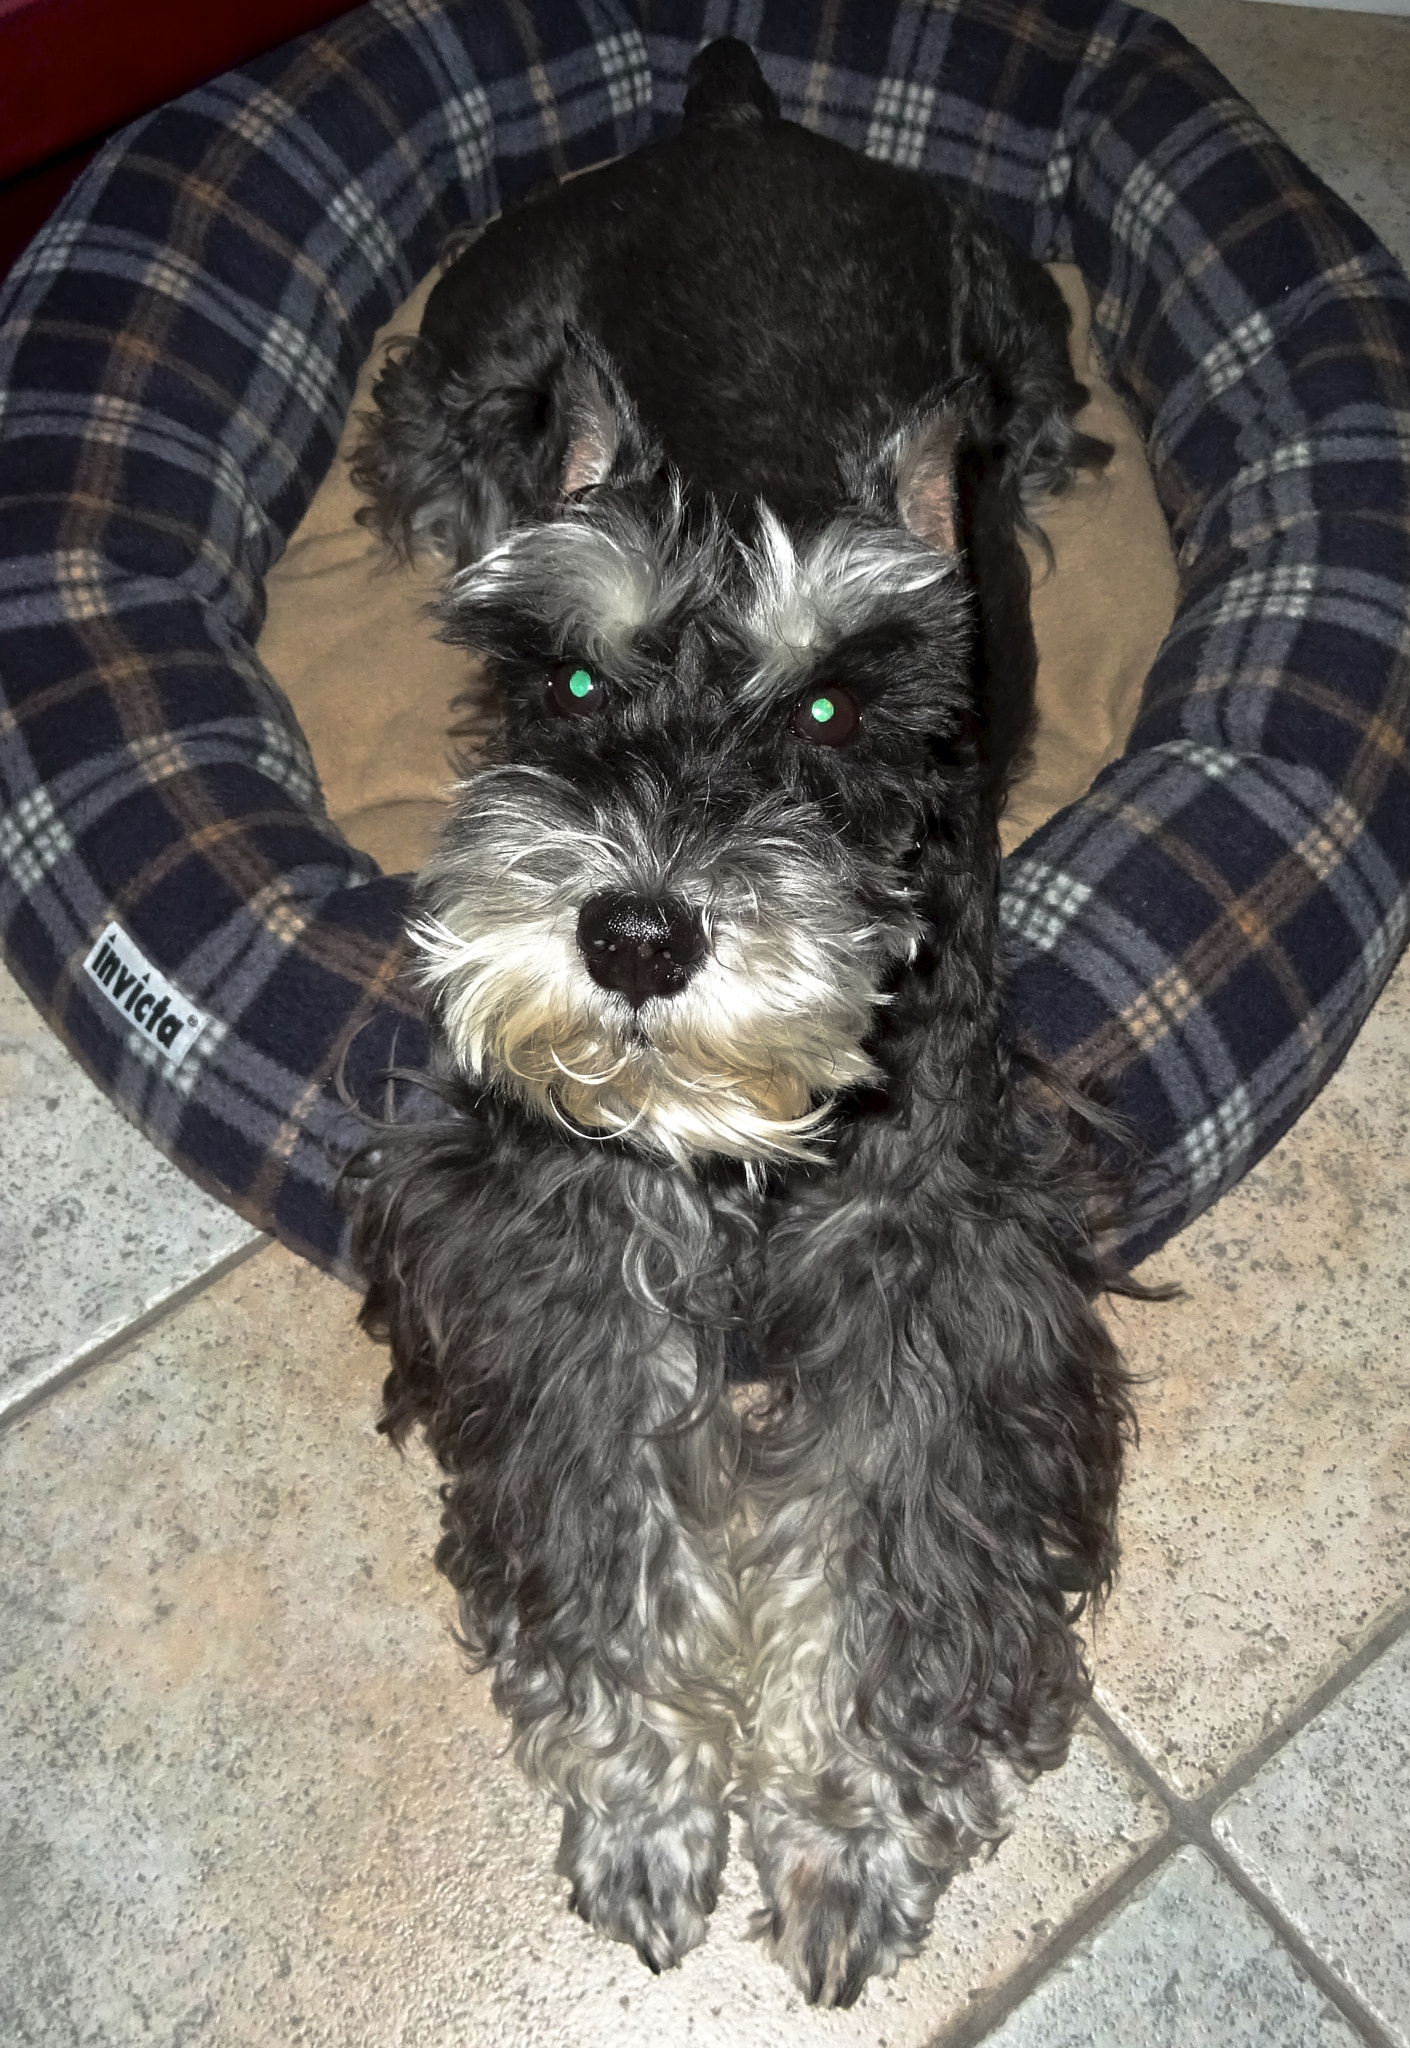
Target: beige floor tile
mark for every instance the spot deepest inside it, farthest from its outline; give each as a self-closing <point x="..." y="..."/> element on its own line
<point x="1184" y="1964"/>
<point x="97" y="1227"/>
<point x="252" y="1796"/>
<point x="1266" y="1521"/>
<point x="1322" y="1831"/>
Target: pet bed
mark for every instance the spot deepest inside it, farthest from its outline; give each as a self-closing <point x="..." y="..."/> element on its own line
<point x="1202" y="931"/>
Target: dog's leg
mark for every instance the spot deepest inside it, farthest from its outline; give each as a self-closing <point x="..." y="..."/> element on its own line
<point x="609" y="1610"/>
<point x="533" y="1317"/>
<point x="852" y="1840"/>
<point x="849" y="1877"/>
<point x="937" y="1484"/>
<point x="631" y="1727"/>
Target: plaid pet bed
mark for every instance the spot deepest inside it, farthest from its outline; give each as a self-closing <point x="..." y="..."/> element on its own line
<point x="1204" y="931"/>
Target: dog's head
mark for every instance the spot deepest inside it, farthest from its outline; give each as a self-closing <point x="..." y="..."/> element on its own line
<point x="736" y="765"/>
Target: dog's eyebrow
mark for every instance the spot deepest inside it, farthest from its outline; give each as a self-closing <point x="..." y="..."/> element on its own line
<point x="856" y="576"/>
<point x="603" y="576"/>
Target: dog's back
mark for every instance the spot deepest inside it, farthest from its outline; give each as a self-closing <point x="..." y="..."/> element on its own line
<point x="773" y="301"/>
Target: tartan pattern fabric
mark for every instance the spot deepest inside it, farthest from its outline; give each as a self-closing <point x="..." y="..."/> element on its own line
<point x="1202" y="933"/>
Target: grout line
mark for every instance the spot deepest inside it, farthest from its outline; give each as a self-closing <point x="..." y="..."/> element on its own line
<point x="1295" y="1942"/>
<point x="989" y="2012"/>
<point x="1192" y="1820"/>
<point x="1190" y="1824"/>
<point x="1382" y="1638"/>
<point x="1191" y="1827"/>
<point x="84" y="1362"/>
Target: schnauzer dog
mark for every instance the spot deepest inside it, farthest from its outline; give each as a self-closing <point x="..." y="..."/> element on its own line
<point x="741" y="1275"/>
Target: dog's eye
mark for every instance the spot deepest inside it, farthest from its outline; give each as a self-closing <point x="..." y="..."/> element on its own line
<point x="828" y="717"/>
<point x="574" y="691"/>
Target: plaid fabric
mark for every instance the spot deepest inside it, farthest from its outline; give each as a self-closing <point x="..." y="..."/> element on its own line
<point x="1204" y="931"/>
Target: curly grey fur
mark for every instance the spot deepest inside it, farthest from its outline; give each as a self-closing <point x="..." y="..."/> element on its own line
<point x="760" y="643"/>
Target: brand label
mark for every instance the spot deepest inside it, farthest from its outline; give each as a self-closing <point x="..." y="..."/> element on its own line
<point x="131" y="984"/>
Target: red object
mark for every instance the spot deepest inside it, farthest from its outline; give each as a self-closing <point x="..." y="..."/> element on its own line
<point x="73" y="70"/>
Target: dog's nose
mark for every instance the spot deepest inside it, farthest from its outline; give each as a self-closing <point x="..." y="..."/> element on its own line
<point x="640" y="946"/>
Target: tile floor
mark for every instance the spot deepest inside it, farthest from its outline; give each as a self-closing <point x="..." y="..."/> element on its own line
<point x="248" y="1796"/>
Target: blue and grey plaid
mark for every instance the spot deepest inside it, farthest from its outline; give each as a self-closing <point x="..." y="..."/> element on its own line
<point x="1203" y="932"/>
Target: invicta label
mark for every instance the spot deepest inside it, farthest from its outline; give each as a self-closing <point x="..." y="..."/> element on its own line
<point x="132" y="985"/>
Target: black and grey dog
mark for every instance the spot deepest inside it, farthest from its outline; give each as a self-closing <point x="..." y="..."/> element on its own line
<point x="727" y="445"/>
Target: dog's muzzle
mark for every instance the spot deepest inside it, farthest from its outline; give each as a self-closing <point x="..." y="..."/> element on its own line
<point x="640" y="946"/>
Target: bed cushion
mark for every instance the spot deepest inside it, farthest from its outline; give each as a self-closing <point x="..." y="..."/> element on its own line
<point x="1202" y="931"/>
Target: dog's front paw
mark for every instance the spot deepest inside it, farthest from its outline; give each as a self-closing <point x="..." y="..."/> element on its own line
<point x="650" y="1879"/>
<point x="842" y="1907"/>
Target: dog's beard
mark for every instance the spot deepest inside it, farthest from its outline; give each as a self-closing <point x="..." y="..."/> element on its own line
<point x="745" y="1060"/>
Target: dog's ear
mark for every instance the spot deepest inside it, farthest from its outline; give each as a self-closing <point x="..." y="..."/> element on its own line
<point x="920" y="464"/>
<point x="599" y="437"/>
<point x="464" y="444"/>
<point x="924" y="469"/>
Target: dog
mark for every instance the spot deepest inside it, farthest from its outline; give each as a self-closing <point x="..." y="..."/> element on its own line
<point x="742" y="1274"/>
